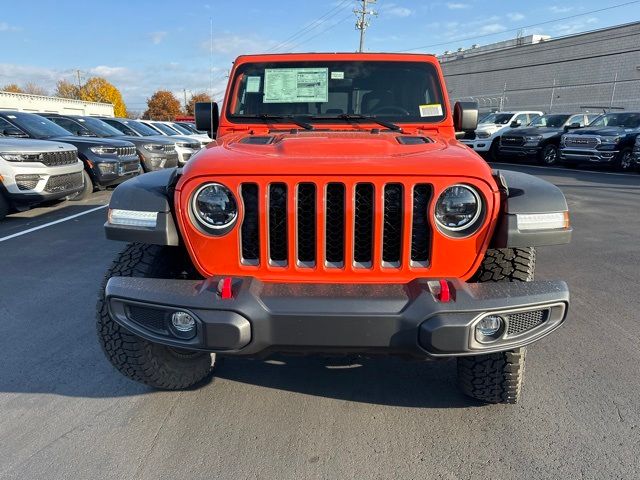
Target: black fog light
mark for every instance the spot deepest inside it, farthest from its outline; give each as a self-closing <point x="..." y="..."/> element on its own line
<point x="183" y="325"/>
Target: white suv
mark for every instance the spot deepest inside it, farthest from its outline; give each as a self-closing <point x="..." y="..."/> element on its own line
<point x="35" y="171"/>
<point x="487" y="136"/>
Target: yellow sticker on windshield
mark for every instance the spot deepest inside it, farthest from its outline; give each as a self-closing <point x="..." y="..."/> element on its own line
<point x="431" y="110"/>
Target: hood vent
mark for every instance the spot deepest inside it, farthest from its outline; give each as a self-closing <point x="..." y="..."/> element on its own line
<point x="257" y="140"/>
<point x="413" y="140"/>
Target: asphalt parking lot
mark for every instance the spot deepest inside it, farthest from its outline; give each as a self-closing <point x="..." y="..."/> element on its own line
<point x="66" y="413"/>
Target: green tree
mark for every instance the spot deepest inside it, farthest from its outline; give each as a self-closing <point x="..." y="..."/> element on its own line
<point x="162" y="105"/>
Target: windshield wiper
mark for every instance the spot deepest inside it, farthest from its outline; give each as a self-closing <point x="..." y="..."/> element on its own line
<point x="373" y="118"/>
<point x="291" y="118"/>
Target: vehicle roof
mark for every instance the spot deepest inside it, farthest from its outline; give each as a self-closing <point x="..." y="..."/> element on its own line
<point x="339" y="54"/>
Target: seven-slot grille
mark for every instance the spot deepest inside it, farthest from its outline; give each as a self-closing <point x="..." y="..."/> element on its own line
<point x="581" y="141"/>
<point x="331" y="230"/>
<point x="54" y="159"/>
<point x="61" y="183"/>
<point x="125" y="151"/>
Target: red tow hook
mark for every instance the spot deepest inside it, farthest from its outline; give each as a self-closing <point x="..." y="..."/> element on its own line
<point x="445" y="293"/>
<point x="441" y="290"/>
<point x="224" y="288"/>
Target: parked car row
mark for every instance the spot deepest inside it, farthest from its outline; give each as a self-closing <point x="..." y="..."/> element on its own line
<point x="49" y="156"/>
<point x="610" y="139"/>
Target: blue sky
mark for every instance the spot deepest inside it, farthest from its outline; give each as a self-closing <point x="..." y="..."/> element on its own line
<point x="144" y="45"/>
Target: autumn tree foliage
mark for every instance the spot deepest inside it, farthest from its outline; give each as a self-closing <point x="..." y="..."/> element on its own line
<point x="66" y="89"/>
<point x="98" y="89"/>
<point x="12" y="87"/>
<point x="162" y="105"/>
<point x="198" y="97"/>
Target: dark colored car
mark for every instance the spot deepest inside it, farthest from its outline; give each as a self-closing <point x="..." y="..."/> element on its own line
<point x="636" y="152"/>
<point x="154" y="154"/>
<point x="540" y="140"/>
<point x="106" y="161"/>
<point x="608" y="140"/>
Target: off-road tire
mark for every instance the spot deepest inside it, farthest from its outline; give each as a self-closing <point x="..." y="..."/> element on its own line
<point x="5" y="208"/>
<point x="155" y="365"/>
<point x="87" y="188"/>
<point x="498" y="377"/>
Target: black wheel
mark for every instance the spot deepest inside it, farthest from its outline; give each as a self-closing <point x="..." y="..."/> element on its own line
<point x="5" y="208"/>
<point x="86" y="190"/>
<point x="494" y="150"/>
<point x="155" y="365"/>
<point x="498" y="377"/>
<point x="625" y="161"/>
<point x="549" y="155"/>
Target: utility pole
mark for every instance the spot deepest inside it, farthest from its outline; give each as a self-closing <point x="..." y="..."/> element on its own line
<point x="363" y="15"/>
<point x="79" y="83"/>
<point x="184" y="90"/>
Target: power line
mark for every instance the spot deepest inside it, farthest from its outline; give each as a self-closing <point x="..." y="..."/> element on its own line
<point x="311" y="25"/>
<point x="363" y="16"/>
<point x="462" y="39"/>
<point x="330" y="27"/>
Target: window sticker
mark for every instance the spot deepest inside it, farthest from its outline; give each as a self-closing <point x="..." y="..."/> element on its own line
<point x="431" y="110"/>
<point x="253" y="84"/>
<point x="296" y="85"/>
<point x="337" y="75"/>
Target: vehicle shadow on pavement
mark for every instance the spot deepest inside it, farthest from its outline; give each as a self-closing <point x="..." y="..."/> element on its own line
<point x="382" y="381"/>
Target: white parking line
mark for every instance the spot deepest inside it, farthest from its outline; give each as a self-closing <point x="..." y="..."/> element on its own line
<point x="40" y="227"/>
<point x="559" y="169"/>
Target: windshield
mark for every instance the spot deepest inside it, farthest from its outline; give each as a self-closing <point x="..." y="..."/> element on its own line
<point x="37" y="126"/>
<point x="181" y="129"/>
<point x="393" y="91"/>
<point x="498" y="118"/>
<point x="553" y="121"/>
<point x="164" y="128"/>
<point x="140" y="128"/>
<point x="624" y="120"/>
<point x="99" y="127"/>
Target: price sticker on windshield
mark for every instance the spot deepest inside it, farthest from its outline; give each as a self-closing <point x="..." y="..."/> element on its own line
<point x="431" y="110"/>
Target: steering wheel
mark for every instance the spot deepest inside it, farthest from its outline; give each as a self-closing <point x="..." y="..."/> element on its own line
<point x="391" y="109"/>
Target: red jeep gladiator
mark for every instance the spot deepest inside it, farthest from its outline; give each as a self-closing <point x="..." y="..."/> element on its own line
<point x="336" y="213"/>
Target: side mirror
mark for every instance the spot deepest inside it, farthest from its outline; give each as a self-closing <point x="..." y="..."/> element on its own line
<point x="515" y="124"/>
<point x="206" y="114"/>
<point x="573" y="126"/>
<point x="465" y="118"/>
<point x="14" y="132"/>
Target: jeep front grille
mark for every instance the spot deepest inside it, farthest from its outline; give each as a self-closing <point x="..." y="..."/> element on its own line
<point x="335" y="224"/>
<point x="125" y="151"/>
<point x="54" y="159"/>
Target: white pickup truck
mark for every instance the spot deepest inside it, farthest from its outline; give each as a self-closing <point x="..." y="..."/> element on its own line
<point x="486" y="138"/>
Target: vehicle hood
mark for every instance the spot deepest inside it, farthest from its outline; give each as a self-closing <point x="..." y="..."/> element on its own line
<point x="145" y="140"/>
<point x="544" y="131"/>
<point x="604" y="131"/>
<point x="24" y="145"/>
<point x="336" y="153"/>
<point x="92" y="141"/>
<point x="490" y="127"/>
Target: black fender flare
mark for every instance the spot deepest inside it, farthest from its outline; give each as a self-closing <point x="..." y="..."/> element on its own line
<point x="528" y="194"/>
<point x="150" y="192"/>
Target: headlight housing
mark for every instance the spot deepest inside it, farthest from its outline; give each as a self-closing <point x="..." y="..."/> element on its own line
<point x="214" y="207"/>
<point x="102" y="150"/>
<point x="22" y="157"/>
<point x="483" y="134"/>
<point x="533" y="139"/>
<point x="610" y="140"/>
<point x="458" y="210"/>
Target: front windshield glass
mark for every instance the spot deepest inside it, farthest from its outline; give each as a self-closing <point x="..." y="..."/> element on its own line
<point x="164" y="128"/>
<point x="99" y="127"/>
<point x="141" y="128"/>
<point x="498" y="118"/>
<point x="37" y="126"/>
<point x="624" y="120"/>
<point x="323" y="90"/>
<point x="181" y="129"/>
<point x="553" y="121"/>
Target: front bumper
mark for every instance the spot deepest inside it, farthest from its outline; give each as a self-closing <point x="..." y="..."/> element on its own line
<point x="528" y="152"/>
<point x="108" y="172"/>
<point x="572" y="155"/>
<point x="44" y="184"/>
<point x="479" y="144"/>
<point x="262" y="318"/>
<point x="157" y="161"/>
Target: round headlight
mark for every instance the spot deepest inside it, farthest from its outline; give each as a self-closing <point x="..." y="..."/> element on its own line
<point x="458" y="208"/>
<point x="214" y="206"/>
